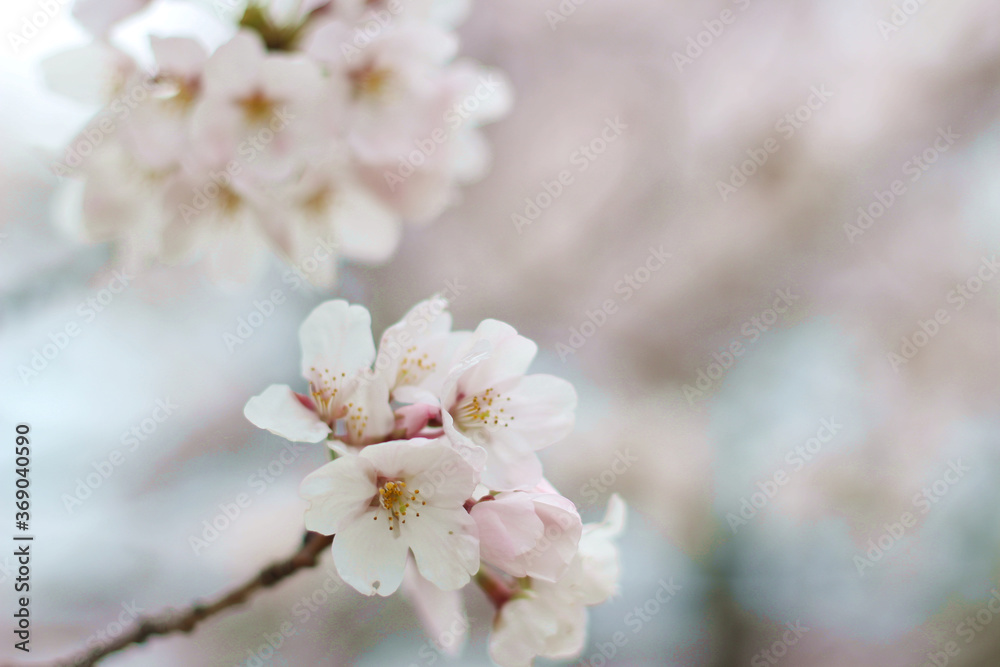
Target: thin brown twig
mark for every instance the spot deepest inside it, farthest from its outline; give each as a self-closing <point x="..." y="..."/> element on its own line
<point x="185" y="620"/>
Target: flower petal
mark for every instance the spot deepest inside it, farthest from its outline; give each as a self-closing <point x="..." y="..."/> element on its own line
<point x="508" y="529"/>
<point x="337" y="493"/>
<point x="368" y="555"/>
<point x="445" y="544"/>
<point x="337" y="336"/>
<point x="542" y="407"/>
<point x="279" y="411"/>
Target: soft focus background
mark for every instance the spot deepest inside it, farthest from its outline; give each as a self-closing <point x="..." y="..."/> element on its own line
<point x="741" y="394"/>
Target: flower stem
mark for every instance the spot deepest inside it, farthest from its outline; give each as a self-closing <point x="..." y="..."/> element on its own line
<point x="495" y="588"/>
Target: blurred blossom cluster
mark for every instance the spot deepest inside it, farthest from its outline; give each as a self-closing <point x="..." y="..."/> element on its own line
<point x="314" y="131"/>
<point x="456" y="459"/>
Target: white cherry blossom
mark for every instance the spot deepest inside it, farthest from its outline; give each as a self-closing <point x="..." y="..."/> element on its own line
<point x="392" y="499"/>
<point x="491" y="403"/>
<point x="344" y="401"/>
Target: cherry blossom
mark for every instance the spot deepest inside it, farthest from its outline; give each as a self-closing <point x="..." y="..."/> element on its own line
<point x="491" y="403"/>
<point x="392" y="499"/>
<point x="337" y="350"/>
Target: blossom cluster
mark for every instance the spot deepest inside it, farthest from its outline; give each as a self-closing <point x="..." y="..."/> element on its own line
<point x="316" y="124"/>
<point x="435" y="481"/>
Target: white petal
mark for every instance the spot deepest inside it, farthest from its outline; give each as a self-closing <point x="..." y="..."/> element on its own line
<point x="337" y="336"/>
<point x="520" y="631"/>
<point x="370" y="419"/>
<point x="369" y="231"/>
<point x="338" y="493"/>
<point x="97" y="16"/>
<point x="90" y="74"/>
<point x="279" y="411"/>
<point x="509" y="469"/>
<point x="432" y="466"/>
<point x="369" y="556"/>
<point x="445" y="545"/>
<point x="233" y="70"/>
<point x="511" y="355"/>
<point x="542" y="408"/>
<point x="180" y="56"/>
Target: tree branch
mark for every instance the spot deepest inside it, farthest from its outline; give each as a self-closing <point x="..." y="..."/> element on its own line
<point x="186" y="620"/>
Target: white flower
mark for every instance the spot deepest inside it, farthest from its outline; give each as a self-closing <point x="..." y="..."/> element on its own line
<point x="534" y="534"/>
<point x="391" y="499"/>
<point x="491" y="403"/>
<point x="260" y="110"/>
<point x="337" y="351"/>
<point x="327" y="203"/>
<point x="393" y="84"/>
<point x="550" y="619"/>
<point x="157" y="127"/>
<point x="216" y="218"/>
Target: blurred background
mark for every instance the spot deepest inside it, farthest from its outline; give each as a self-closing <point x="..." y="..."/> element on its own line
<point x="771" y="279"/>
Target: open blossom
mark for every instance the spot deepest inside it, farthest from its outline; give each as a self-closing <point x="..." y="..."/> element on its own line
<point x="392" y="499"/>
<point x="491" y="403"/>
<point x="549" y="619"/>
<point x="337" y="351"/>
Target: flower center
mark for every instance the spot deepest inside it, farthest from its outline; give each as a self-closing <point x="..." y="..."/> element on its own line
<point x="371" y="81"/>
<point x="482" y="411"/>
<point x="414" y="367"/>
<point x="395" y="500"/>
<point x="327" y="391"/>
